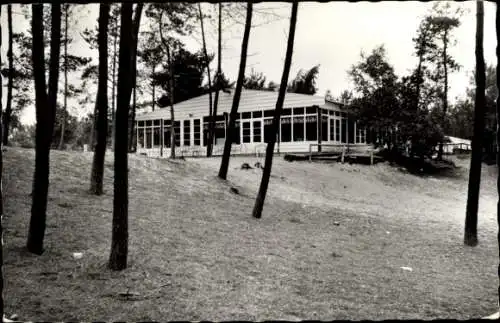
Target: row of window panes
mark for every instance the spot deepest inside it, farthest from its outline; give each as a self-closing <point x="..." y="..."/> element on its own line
<point x="298" y="133"/>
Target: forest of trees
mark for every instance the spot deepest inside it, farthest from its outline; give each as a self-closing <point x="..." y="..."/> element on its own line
<point x="409" y="113"/>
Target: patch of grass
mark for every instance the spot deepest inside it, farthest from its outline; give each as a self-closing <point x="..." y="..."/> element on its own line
<point x="197" y="254"/>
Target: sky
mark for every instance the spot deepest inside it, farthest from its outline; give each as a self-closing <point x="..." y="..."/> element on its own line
<point x="329" y="34"/>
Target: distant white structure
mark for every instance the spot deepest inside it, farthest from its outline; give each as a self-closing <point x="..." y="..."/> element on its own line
<point x="455" y="143"/>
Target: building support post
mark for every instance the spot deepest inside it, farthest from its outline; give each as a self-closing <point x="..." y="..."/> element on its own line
<point x="319" y="127"/>
<point x="161" y="137"/>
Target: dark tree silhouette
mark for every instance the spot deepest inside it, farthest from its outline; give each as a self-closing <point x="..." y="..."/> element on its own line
<point x="207" y="62"/>
<point x="119" y="238"/>
<point x="1" y="175"/>
<point x="217" y="82"/>
<point x="135" y="39"/>
<point x="237" y="93"/>
<point x="45" y="106"/>
<point x="497" y="22"/>
<point x="97" y="174"/>
<point x="63" y="123"/>
<point x="470" y="237"/>
<point x="266" y="174"/>
<point x="8" y="108"/>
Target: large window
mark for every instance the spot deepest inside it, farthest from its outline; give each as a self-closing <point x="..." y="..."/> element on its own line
<point x="324" y="128"/>
<point x="298" y="128"/>
<point x="246" y="131"/>
<point x="257" y="128"/>
<point x="360" y="135"/>
<point x="236" y="134"/>
<point x="177" y="132"/>
<point x="332" y="130"/>
<point x="187" y="133"/>
<point x="268" y="130"/>
<point x="286" y="129"/>
<point x="197" y="141"/>
<point x="338" y="129"/>
<point x="149" y="135"/>
<point x="343" y="133"/>
<point x="156" y="137"/>
<point x="311" y="128"/>
<point x="166" y="133"/>
<point x="350" y="131"/>
<point x="140" y="139"/>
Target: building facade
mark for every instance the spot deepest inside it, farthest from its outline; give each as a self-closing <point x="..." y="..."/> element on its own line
<point x="306" y="119"/>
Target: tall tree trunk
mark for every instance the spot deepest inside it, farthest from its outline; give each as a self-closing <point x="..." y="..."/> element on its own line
<point x="119" y="239"/>
<point x="101" y="114"/>
<point x="65" y="108"/>
<point x="8" y="108"/>
<point x="154" y="90"/>
<point x="237" y="93"/>
<point x="45" y="115"/>
<point x="470" y="238"/>
<point x="266" y="174"/>
<point x="207" y="62"/>
<point x="445" y="94"/>
<point x="172" y="116"/>
<point x="217" y="81"/>
<point x="171" y="89"/>
<point x="113" y="88"/>
<point x="1" y="171"/>
<point x="135" y="39"/>
<point x="497" y="23"/>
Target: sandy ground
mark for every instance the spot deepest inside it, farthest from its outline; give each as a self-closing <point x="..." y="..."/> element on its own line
<point x="330" y="245"/>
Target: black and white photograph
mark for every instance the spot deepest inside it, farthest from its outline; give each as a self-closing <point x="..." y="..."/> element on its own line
<point x="249" y="161"/>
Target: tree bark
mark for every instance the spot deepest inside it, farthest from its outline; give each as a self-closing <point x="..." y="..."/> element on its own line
<point x="45" y="114"/>
<point x="1" y="165"/>
<point x="471" y="216"/>
<point x="8" y="108"/>
<point x="65" y="108"/>
<point x="497" y="23"/>
<point x="171" y="88"/>
<point x="237" y="93"/>
<point x="101" y="116"/>
<point x="207" y="62"/>
<point x="217" y="81"/>
<point x="113" y="88"/>
<point x="154" y="90"/>
<point x="135" y="39"/>
<point x="445" y="94"/>
<point x="266" y="174"/>
<point x="119" y="239"/>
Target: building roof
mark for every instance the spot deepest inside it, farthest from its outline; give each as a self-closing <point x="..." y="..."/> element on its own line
<point x="250" y="100"/>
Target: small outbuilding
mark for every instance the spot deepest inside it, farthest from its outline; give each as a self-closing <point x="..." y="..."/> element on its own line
<point x="306" y="120"/>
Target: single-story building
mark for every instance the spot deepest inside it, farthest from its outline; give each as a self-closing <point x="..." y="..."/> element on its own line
<point x="299" y="126"/>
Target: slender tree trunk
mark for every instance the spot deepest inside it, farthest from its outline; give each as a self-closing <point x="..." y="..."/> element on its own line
<point x="101" y="114"/>
<point x="266" y="174"/>
<point x="497" y="23"/>
<point x="45" y="115"/>
<point x="445" y="94"/>
<point x="172" y="116"/>
<point x="133" y="56"/>
<point x="65" y="108"/>
<point x="1" y="169"/>
<point x="8" y="108"/>
<point x="154" y="90"/>
<point x="119" y="240"/>
<point x="207" y="62"/>
<point x="237" y="93"/>
<point x="470" y="237"/>
<point x="171" y="88"/>
<point x="94" y="129"/>
<point x="217" y="81"/>
<point x="113" y="89"/>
